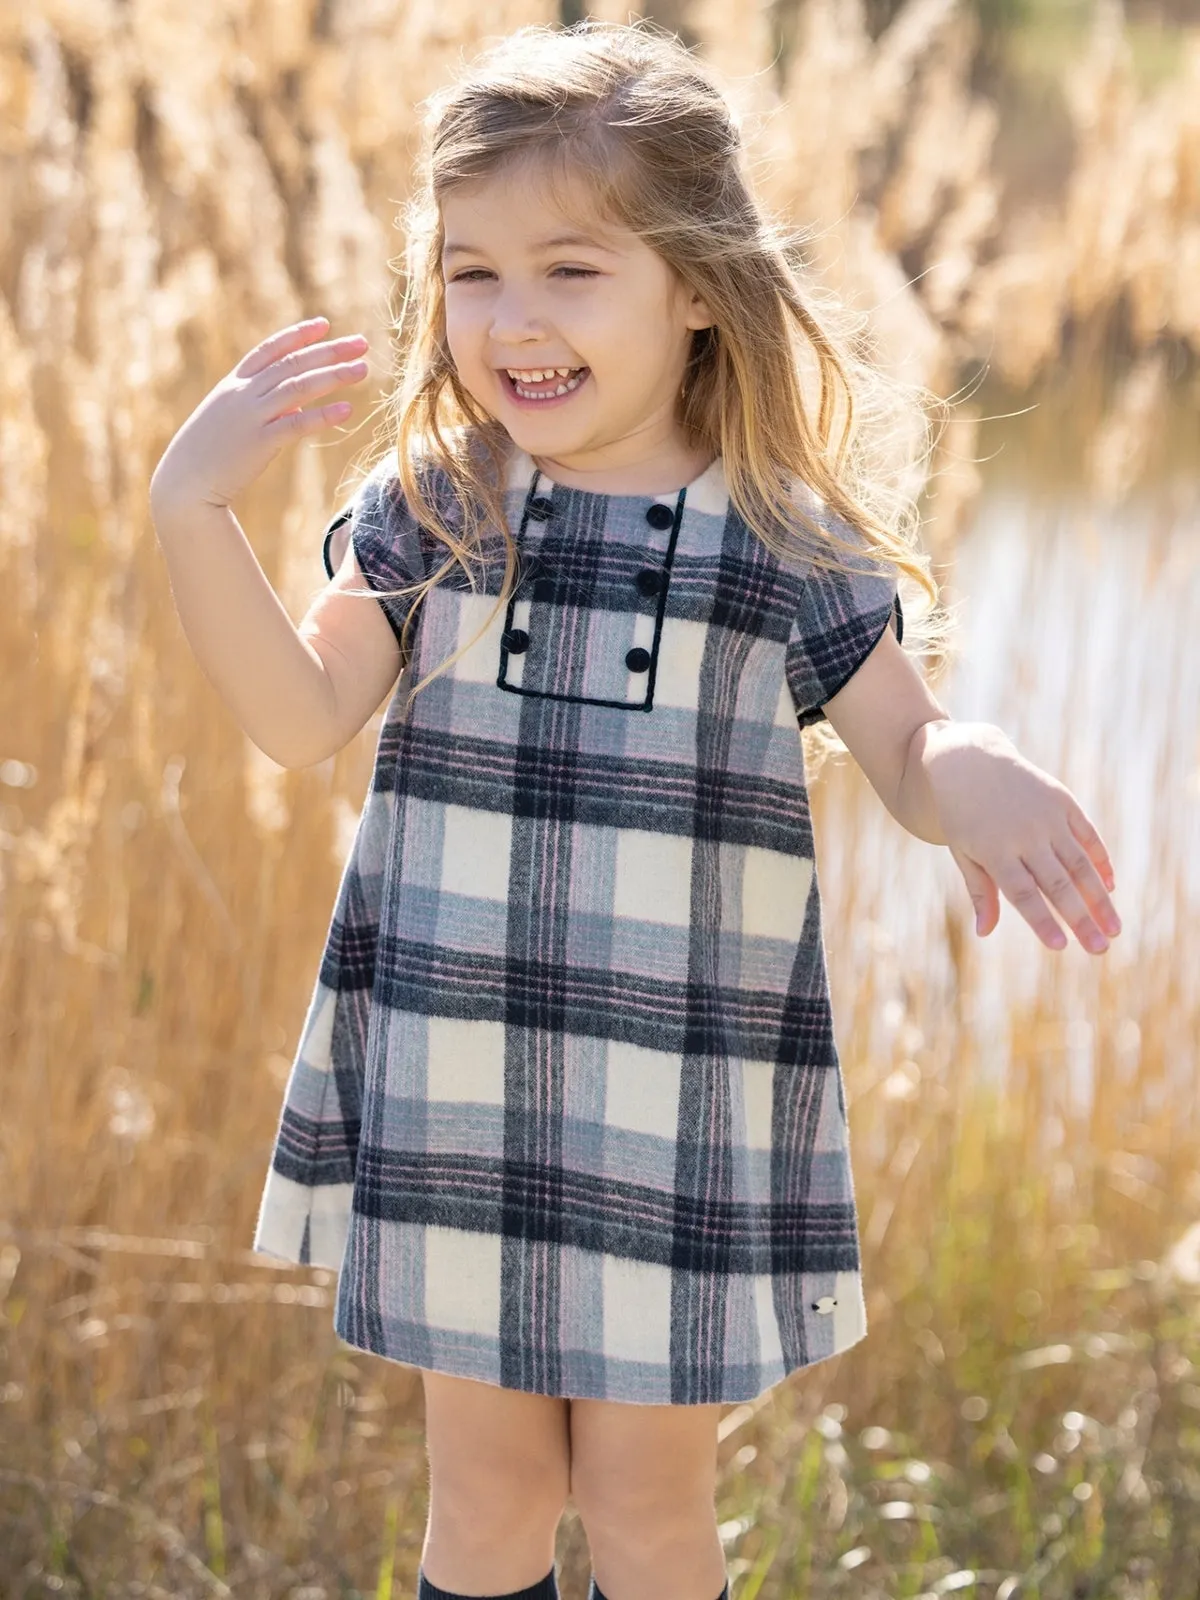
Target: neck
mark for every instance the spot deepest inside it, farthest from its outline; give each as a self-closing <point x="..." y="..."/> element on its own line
<point x="636" y="469"/>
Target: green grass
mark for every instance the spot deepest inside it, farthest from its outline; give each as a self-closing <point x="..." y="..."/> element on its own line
<point x="1042" y="46"/>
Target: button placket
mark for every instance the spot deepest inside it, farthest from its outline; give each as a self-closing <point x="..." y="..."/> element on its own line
<point x="515" y="642"/>
<point x="525" y="629"/>
<point x="515" y="639"/>
<point x="650" y="582"/>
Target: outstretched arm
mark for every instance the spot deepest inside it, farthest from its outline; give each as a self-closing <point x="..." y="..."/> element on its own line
<point x="1011" y="827"/>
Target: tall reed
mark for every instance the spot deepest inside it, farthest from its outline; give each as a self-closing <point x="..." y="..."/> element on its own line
<point x="176" y="1415"/>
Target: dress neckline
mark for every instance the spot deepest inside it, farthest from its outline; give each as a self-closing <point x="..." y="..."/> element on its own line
<point x="522" y="469"/>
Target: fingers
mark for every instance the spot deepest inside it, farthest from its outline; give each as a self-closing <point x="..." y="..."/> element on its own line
<point x="303" y="373"/>
<point x="279" y="344"/>
<point x="289" y="395"/>
<point x="285" y="398"/>
<point x="1064" y="874"/>
<point x="1081" y="826"/>
<point x="295" y="366"/>
<point x="982" y="888"/>
<point x="296" y="423"/>
<point x="1086" y="878"/>
<point x="297" y="362"/>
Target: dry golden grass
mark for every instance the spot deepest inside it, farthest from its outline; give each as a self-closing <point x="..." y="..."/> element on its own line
<point x="176" y="1417"/>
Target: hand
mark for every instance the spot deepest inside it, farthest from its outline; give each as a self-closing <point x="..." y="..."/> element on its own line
<point x="1010" y="826"/>
<point x="239" y="427"/>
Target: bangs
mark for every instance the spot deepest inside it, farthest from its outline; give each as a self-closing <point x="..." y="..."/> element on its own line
<point x="587" y="177"/>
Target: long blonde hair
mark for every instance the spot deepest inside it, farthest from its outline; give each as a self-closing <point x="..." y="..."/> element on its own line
<point x="624" y="118"/>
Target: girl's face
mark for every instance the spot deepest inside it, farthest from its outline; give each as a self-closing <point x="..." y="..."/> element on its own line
<point x="574" y="339"/>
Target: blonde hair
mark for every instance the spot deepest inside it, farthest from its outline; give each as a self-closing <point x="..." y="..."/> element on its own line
<point x="626" y="117"/>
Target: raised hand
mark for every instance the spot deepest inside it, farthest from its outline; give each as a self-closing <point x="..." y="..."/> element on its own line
<point x="241" y="425"/>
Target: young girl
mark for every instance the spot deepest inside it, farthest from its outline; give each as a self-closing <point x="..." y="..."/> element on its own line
<point x="566" y="1111"/>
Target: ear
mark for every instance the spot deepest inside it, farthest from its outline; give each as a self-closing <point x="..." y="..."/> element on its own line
<point x="697" y="315"/>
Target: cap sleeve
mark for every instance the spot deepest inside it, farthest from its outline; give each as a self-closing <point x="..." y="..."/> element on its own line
<point x="386" y="540"/>
<point x="840" y="618"/>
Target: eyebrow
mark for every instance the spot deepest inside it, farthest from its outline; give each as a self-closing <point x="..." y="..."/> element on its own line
<point x="558" y="242"/>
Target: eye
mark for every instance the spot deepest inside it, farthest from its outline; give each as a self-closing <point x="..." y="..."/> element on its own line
<point x="470" y="275"/>
<point x="578" y="272"/>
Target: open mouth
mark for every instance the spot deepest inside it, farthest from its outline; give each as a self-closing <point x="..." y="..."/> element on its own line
<point x="541" y="385"/>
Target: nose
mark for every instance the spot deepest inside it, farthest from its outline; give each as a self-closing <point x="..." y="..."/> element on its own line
<point x="515" y="318"/>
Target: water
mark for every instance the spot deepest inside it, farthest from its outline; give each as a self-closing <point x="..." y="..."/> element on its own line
<point x="1079" y="637"/>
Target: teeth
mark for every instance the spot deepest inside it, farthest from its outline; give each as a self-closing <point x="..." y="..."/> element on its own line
<point x="536" y="377"/>
<point x="539" y="374"/>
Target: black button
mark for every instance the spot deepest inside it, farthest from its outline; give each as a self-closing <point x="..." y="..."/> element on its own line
<point x="516" y="640"/>
<point x="544" y="589"/>
<point x="649" y="581"/>
<point x="637" y="660"/>
<point x="660" y="516"/>
<point x="541" y="509"/>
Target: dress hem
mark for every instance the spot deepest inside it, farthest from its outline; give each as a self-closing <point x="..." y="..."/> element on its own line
<point x="651" y="1395"/>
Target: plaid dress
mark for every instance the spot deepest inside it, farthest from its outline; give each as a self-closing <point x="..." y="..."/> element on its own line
<point x="566" y="1110"/>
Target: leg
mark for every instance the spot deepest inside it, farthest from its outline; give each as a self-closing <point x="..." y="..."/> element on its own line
<point x="499" y="1475"/>
<point x="643" y="1479"/>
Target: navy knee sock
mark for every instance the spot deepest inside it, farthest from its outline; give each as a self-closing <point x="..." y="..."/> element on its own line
<point x="595" y="1593"/>
<point x="547" y="1589"/>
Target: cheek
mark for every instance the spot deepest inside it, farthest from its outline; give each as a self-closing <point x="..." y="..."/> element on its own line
<point x="609" y="313"/>
<point x="462" y="334"/>
<point x="624" y="331"/>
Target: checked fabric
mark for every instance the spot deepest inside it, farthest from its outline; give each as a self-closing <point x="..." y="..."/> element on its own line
<point x="566" y="1111"/>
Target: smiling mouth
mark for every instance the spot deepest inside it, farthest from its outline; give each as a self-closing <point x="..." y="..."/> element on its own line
<point x="543" y="383"/>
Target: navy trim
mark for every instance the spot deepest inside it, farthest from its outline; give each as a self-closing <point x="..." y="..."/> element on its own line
<point x="586" y="699"/>
<point x="337" y="522"/>
<point x="329" y="533"/>
<point x="662" y="598"/>
<point x="530" y="497"/>
<point x="817" y="713"/>
<point x="396" y="628"/>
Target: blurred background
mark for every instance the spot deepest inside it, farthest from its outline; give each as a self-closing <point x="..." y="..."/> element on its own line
<point x="1010" y="191"/>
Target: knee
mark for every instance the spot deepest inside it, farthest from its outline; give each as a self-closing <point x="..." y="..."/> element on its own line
<point x="514" y="1499"/>
<point x="640" y="1508"/>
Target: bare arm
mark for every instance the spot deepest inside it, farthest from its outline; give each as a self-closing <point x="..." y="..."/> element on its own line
<point x="876" y="715"/>
<point x="300" y="693"/>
